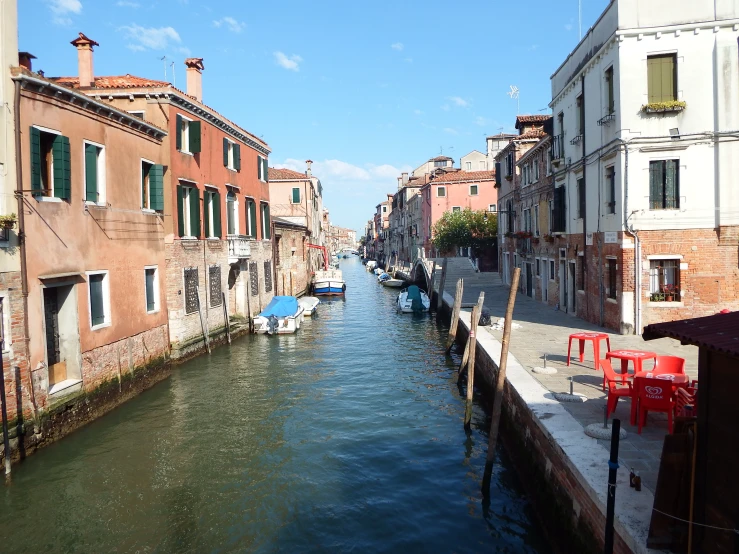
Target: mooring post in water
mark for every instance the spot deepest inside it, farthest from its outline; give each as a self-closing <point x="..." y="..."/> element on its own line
<point x="431" y="288"/>
<point x="471" y="365"/>
<point x="440" y="299"/>
<point x="455" y="315"/>
<point x="499" y="385"/>
<point x="611" y="500"/>
<point x="225" y="318"/>
<point x="202" y="321"/>
<point x="6" y="437"/>
<point x="466" y="355"/>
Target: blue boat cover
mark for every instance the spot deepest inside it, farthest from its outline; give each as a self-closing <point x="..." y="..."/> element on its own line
<point x="414" y="295"/>
<point x="384" y="277"/>
<point x="281" y="306"/>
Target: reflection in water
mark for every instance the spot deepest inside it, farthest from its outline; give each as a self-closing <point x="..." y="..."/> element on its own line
<point x="345" y="436"/>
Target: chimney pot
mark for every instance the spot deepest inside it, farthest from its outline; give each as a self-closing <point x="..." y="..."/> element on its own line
<point x="308" y="164"/>
<point x="24" y="60"/>
<point x="195" y="78"/>
<point x="85" y="71"/>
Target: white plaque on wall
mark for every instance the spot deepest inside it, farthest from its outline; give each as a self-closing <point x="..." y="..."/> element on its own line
<point x="610" y="237"/>
<point x="589" y="239"/>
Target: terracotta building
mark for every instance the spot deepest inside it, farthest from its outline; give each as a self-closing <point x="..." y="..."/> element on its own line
<point x="214" y="204"/>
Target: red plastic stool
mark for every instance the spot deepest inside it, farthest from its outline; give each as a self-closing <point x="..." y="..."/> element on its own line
<point x="595" y="338"/>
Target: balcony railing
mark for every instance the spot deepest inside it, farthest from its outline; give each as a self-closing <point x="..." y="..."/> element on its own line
<point x="558" y="148"/>
<point x="239" y="246"/>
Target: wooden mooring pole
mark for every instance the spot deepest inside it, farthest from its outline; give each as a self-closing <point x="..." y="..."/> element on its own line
<point x="203" y="325"/>
<point x="471" y="365"/>
<point x="225" y="318"/>
<point x="440" y="298"/>
<point x="431" y="287"/>
<point x="466" y="355"/>
<point x="499" y="385"/>
<point x="455" y="315"/>
<point x="611" y="497"/>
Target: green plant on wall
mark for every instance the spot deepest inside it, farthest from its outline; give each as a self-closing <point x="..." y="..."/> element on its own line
<point x="477" y="229"/>
<point x="8" y="221"/>
<point x="668" y="106"/>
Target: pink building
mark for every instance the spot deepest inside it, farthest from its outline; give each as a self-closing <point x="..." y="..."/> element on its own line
<point x="455" y="191"/>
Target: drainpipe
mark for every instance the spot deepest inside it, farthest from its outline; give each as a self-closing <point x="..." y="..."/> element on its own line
<point x="585" y="214"/>
<point x="637" y="243"/>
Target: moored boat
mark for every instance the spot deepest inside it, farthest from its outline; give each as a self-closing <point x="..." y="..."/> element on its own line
<point x="393" y="283"/>
<point x="328" y="283"/>
<point x="413" y="300"/>
<point x="282" y="315"/>
<point x="309" y="304"/>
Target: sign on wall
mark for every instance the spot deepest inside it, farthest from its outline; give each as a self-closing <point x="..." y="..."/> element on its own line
<point x="610" y="237"/>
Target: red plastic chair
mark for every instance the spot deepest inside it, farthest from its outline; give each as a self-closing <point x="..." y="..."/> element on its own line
<point x="668" y="364"/>
<point x="685" y="403"/>
<point x="655" y="395"/>
<point x="617" y="388"/>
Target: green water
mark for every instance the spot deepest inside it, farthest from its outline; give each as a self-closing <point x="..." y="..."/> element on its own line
<point x="346" y="437"/>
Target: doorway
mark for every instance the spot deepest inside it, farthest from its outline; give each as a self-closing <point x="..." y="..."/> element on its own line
<point x="61" y="329"/>
<point x="544" y="280"/>
<point x="529" y="281"/>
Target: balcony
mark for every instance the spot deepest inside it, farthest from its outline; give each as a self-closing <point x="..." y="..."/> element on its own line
<point x="239" y="248"/>
<point x="558" y="149"/>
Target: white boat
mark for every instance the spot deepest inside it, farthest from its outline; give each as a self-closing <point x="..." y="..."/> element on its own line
<point x="282" y="315"/>
<point x="309" y="304"/>
<point x="379" y="271"/>
<point x="328" y="283"/>
<point x="394" y="283"/>
<point x="413" y="300"/>
<point x="371" y="265"/>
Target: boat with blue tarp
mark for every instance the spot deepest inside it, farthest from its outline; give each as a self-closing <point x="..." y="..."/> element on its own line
<point x="283" y="314"/>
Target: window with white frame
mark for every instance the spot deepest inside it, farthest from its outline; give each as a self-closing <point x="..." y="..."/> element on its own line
<point x="483" y="165"/>
<point x="187" y="135"/>
<point x="664" y="280"/>
<point x="139" y="113"/>
<point x="473" y="190"/>
<point x="551" y="270"/>
<point x="188" y="210"/>
<point x="262" y="169"/>
<point x="440" y="191"/>
<point x="468" y="166"/>
<point x="151" y="288"/>
<point x="232" y="213"/>
<point x="98" y="285"/>
<point x="492" y="208"/>
<point x="456" y="209"/>
<point x="94" y="176"/>
<point x="50" y="164"/>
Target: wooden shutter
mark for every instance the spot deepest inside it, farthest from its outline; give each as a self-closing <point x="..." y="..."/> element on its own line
<point x="661" y="78"/>
<point x="35" y="159"/>
<point x="260" y="167"/>
<point x="265" y="171"/>
<point x="216" y="199"/>
<point x="156" y="187"/>
<point x="97" y="310"/>
<point x="252" y="207"/>
<point x="194" y="212"/>
<point x="225" y="152"/>
<point x="296" y="195"/>
<point x="498" y="179"/>
<point x="178" y="132"/>
<point x="194" y="136"/>
<point x="207" y="201"/>
<point x="91" y="173"/>
<point x="267" y="233"/>
<point x="611" y="99"/>
<point x="667" y="76"/>
<point x="62" y="177"/>
<point x="181" y="210"/>
<point x="656" y="180"/>
<point x="237" y="157"/>
<point x="672" y="198"/>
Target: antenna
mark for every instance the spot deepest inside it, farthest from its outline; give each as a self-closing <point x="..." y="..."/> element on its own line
<point x="514" y="93"/>
<point x="164" y="59"/>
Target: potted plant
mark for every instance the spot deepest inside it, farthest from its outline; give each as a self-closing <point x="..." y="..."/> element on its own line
<point x="669" y="292"/>
<point x="664" y="107"/>
<point x="8" y="221"/>
<point x="508" y="234"/>
<point x="549" y="238"/>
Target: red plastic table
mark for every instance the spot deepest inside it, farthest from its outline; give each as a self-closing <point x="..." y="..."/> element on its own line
<point x="636" y="356"/>
<point x="595" y="338"/>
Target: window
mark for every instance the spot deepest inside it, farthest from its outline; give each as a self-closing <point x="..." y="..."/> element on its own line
<point x="211" y="214"/>
<point x="538" y="267"/>
<point x="550" y="204"/>
<point x="262" y="169"/>
<point x="536" y="170"/>
<point x="473" y="190"/>
<point x="50" y="164"/>
<point x="509" y="164"/>
<point x="610" y="101"/>
<point x="214" y="277"/>
<point x="187" y="135"/>
<point x="664" y="185"/>
<point x="561" y="123"/>
<point x="664" y="280"/>
<point x="152" y="186"/>
<point x="295" y="196"/>
<point x="510" y="216"/>
<point x="581" y="198"/>
<point x="580" y="115"/>
<point x="527" y="220"/>
<point x="140" y="114"/>
<point x="440" y="191"/>
<point x="440" y="163"/>
<point x="94" y="173"/>
<point x="551" y="270"/>
<point x="266" y="230"/>
<point x="188" y="211"/>
<point x="483" y="165"/>
<point x="99" y="298"/>
<point x="492" y="208"/>
<point x="611" y="190"/>
<point x="251" y="218"/>
<point x="498" y="175"/>
<point x="151" y="287"/>
<point x="267" y="276"/>
<point x="191" y="290"/>
<point x="456" y="209"/>
<point x="468" y="166"/>
<point x="231" y="155"/>
<point x="662" y="78"/>
<point x="611" y="263"/>
<point x="536" y="221"/>
<point x="232" y="214"/>
<point x="384" y="209"/>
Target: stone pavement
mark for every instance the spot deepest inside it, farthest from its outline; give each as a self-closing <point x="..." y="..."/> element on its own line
<point x="545" y="330"/>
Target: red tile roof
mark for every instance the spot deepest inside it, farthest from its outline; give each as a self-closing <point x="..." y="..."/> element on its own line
<point x="440" y="159"/>
<point x="718" y="332"/>
<point x="285" y="175"/>
<point x="535" y="133"/>
<point x="114" y="81"/>
<point x="464" y="177"/>
<point x="530" y="119"/>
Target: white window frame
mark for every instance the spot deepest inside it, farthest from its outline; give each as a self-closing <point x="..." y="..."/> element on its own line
<point x="106" y="299"/>
<point x="260" y="169"/>
<point x="141" y="179"/>
<point x="483" y="165"/>
<point x="468" y="166"/>
<point x="384" y="209"/>
<point x="536" y="220"/>
<point x="40" y="196"/>
<point x="493" y="208"/>
<point x="142" y="112"/>
<point x="187" y="223"/>
<point x="156" y="289"/>
<point x="300" y="193"/>
<point x="456" y="209"/>
<point x="210" y="231"/>
<point x="185" y="135"/>
<point x="439" y="188"/>
<point x="477" y="190"/>
<point x="551" y="269"/>
<point x="100" y="171"/>
<point x="236" y="211"/>
<point x="230" y="155"/>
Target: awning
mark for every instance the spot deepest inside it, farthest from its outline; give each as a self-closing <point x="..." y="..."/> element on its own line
<point x="719" y="332"/>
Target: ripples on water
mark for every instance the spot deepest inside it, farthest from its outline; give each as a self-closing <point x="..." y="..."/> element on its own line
<point x="346" y="437"/>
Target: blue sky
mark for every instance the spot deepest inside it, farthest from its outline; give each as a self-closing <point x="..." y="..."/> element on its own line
<point x="365" y="89"/>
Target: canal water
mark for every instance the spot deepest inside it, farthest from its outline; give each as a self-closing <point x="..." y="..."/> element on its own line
<point x="346" y="437"/>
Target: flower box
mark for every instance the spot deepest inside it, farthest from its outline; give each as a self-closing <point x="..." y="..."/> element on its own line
<point x="664" y="107"/>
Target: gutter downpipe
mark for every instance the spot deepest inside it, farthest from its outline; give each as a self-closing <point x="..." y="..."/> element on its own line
<point x="637" y="244"/>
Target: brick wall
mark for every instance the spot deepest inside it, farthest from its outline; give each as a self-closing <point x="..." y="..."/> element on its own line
<point x="15" y="361"/>
<point x="292" y="270"/>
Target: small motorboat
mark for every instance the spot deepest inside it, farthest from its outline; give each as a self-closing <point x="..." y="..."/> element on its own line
<point x="328" y="283"/>
<point x="413" y="300"/>
<point x="371" y="265"/>
<point x="309" y="304"/>
<point x="282" y="315"/>
<point x="379" y="271"/>
<point x="394" y="283"/>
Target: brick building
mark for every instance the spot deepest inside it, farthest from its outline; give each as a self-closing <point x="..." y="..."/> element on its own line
<point x="292" y="257"/>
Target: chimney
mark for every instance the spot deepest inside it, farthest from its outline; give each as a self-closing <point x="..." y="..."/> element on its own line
<point x="400" y="183"/>
<point x="308" y="172"/>
<point x="195" y="78"/>
<point x="24" y="60"/>
<point x="405" y="178"/>
<point x="84" y="60"/>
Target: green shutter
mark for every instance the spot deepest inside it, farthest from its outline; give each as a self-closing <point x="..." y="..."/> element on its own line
<point x="672" y="199"/>
<point x="207" y="201"/>
<point x="296" y="195"/>
<point x="216" y="199"/>
<point x="656" y="180"/>
<point x="156" y="187"/>
<point x="265" y="171"/>
<point x="178" y="132"/>
<point x="225" y="152"/>
<point x="97" y="311"/>
<point x="259" y="167"/>
<point x="181" y="210"/>
<point x="194" y="212"/>
<point x="62" y="170"/>
<point x="91" y="173"/>
<point x="194" y="136"/>
<point x="252" y="206"/>
<point x="35" y="159"/>
<point x="237" y="157"/>
<point x="266" y="222"/>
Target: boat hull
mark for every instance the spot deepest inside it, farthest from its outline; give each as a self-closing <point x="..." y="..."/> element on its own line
<point x="406" y="306"/>
<point x="329" y="288"/>
<point x="285" y="325"/>
<point x="309" y="305"/>
<point x="393" y="283"/>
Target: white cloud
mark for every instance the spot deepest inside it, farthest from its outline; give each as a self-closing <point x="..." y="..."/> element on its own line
<point x="288" y="62"/>
<point x="230" y="23"/>
<point x="152" y="38"/>
<point x="445" y="107"/>
<point x="569" y="26"/>
<point x="397" y="46"/>
<point x="343" y="173"/>
<point x="127" y="4"/>
<point x="459" y="101"/>
<point x="61" y="9"/>
<point x="451" y="131"/>
<point x="481" y="121"/>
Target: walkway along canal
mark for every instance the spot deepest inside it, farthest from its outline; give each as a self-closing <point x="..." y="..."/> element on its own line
<point x="345" y="436"/>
